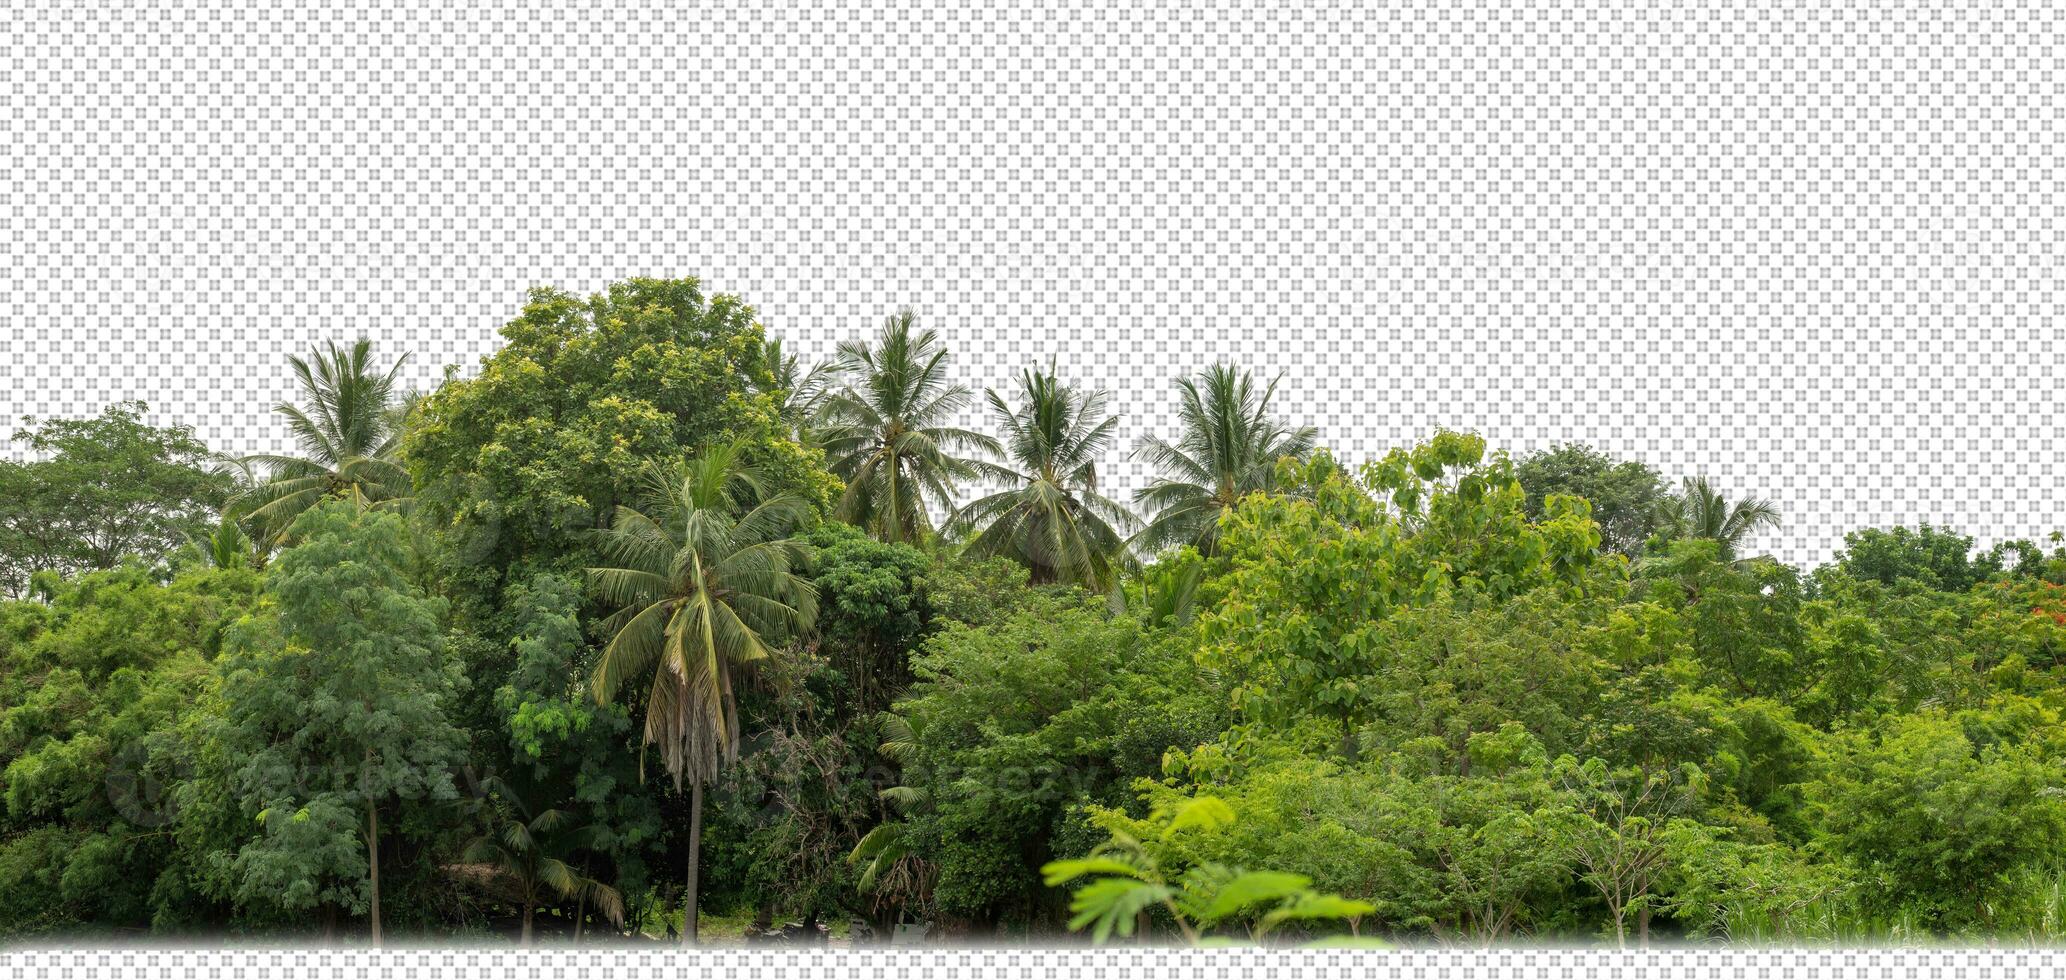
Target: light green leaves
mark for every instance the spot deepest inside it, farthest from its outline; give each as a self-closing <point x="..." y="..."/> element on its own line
<point x="1129" y="877"/>
<point x="1110" y="904"/>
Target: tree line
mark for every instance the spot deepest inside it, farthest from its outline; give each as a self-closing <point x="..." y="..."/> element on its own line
<point x="647" y="626"/>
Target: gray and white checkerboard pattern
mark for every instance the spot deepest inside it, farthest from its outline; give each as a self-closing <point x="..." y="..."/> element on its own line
<point x="1812" y="250"/>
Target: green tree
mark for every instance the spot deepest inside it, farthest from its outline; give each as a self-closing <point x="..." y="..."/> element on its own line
<point x="874" y="608"/>
<point x="1625" y="494"/>
<point x="1054" y="521"/>
<point x="519" y="464"/>
<point x="562" y="744"/>
<point x="1229" y="448"/>
<point x="1314" y="577"/>
<point x="887" y="434"/>
<point x="1054" y="705"/>
<point x="1939" y="821"/>
<point x="1620" y="831"/>
<point x="1701" y="511"/>
<point x="99" y="683"/>
<point x="700" y="588"/>
<point x="335" y="699"/>
<point x="347" y="428"/>
<point x="106" y="487"/>
<point x="1936" y="557"/>
<point x="895" y="870"/>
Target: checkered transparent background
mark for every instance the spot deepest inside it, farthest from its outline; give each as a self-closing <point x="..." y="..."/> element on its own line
<point x="1811" y="250"/>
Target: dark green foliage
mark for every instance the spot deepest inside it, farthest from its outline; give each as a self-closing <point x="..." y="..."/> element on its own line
<point x="874" y="607"/>
<point x="562" y="745"/>
<point x="1937" y="823"/>
<point x="1624" y="494"/>
<point x="1019" y="721"/>
<point x="334" y="709"/>
<point x="1932" y="557"/>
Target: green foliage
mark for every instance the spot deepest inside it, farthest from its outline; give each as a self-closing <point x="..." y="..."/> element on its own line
<point x="703" y="580"/>
<point x="1938" y="822"/>
<point x="1625" y="495"/>
<point x="334" y="700"/>
<point x="1132" y="873"/>
<point x="1315" y="578"/>
<point x="1437" y="697"/>
<point x="96" y="686"/>
<point x="1051" y="707"/>
<point x="105" y="488"/>
<point x="542" y="854"/>
<point x="1932" y="557"/>
<point x="562" y="744"/>
<point x="1700" y="511"/>
<point x="517" y="464"/>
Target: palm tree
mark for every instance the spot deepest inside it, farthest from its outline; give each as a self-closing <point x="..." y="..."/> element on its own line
<point x="1169" y="591"/>
<point x="894" y="868"/>
<point x="348" y="429"/>
<point x="535" y="851"/>
<point x="230" y="544"/>
<point x="799" y="392"/>
<point x="700" y="589"/>
<point x="1054" y="522"/>
<point x="887" y="435"/>
<point x="1229" y="449"/>
<point x="1700" y="511"/>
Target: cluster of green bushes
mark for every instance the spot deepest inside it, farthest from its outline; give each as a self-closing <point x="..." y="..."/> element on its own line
<point x="645" y="615"/>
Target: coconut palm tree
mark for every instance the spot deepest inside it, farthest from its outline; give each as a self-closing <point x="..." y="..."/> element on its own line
<point x="887" y="434"/>
<point x="1053" y="521"/>
<point x="348" y="429"/>
<point x="1228" y="449"/>
<point x="1700" y="511"/>
<point x="800" y="392"/>
<point x="704" y="581"/>
<point x="536" y="853"/>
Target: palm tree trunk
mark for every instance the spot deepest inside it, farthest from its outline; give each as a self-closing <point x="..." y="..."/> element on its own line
<point x="526" y="940"/>
<point x="581" y="910"/>
<point x="688" y="922"/>
<point x="373" y="864"/>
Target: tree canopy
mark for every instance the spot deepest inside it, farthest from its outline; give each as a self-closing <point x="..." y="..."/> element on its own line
<point x="406" y="676"/>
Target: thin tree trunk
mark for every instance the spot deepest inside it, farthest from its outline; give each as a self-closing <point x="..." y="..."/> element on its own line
<point x="373" y="863"/>
<point x="688" y="922"/>
<point x="581" y="911"/>
<point x="526" y="940"/>
<point x="1643" y="927"/>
